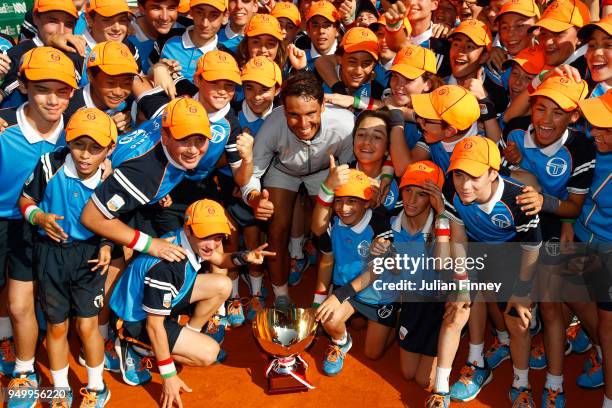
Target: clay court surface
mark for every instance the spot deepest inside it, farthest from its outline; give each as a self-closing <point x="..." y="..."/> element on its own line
<point x="240" y="380"/>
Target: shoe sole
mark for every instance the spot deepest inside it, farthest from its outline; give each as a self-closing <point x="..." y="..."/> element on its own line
<point x="83" y="363"/>
<point x="470" y="398"/>
<point x="128" y="382"/>
<point x="590" y="346"/>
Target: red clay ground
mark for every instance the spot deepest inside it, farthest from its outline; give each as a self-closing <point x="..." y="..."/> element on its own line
<point x="240" y="380"/>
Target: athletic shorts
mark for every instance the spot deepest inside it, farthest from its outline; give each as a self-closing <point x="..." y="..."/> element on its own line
<point x="550" y="253"/>
<point x="419" y="327"/>
<point x="240" y="212"/>
<point x="66" y="285"/>
<point x="274" y="178"/>
<point x="383" y="314"/>
<point x="136" y="332"/>
<point x="16" y="250"/>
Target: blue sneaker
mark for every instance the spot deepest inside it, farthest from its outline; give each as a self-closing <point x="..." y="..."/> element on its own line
<point x="521" y="397"/>
<point x="438" y="400"/>
<point x="470" y="383"/>
<point x="111" y="359"/>
<point x="221" y="356"/>
<point x="592" y="376"/>
<point x="64" y="401"/>
<point x="497" y="354"/>
<point x="334" y="359"/>
<point x="235" y="313"/>
<point x="578" y="339"/>
<point x="215" y="328"/>
<point x="135" y="369"/>
<point x="95" y="398"/>
<point x="537" y="358"/>
<point x="7" y="356"/>
<point x="256" y="304"/>
<point x="553" y="399"/>
<point x="297" y="269"/>
<point x="311" y="251"/>
<point x="23" y="382"/>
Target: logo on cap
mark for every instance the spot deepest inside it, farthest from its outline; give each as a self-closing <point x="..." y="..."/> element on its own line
<point x="211" y="211"/>
<point x="123" y="53"/>
<point x="408" y="52"/>
<point x="468" y="145"/>
<point x="472" y="22"/>
<point x="422" y="167"/>
<point x="192" y="109"/>
<point x="222" y="58"/>
<point x="54" y="56"/>
<point x="257" y="63"/>
<point x="564" y="80"/>
<point x="91" y="116"/>
<point x="442" y="91"/>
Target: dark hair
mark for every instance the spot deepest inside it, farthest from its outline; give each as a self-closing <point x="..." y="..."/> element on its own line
<point x="143" y="2"/>
<point x="242" y="53"/>
<point x="302" y="83"/>
<point x="382" y="114"/>
<point x="93" y="71"/>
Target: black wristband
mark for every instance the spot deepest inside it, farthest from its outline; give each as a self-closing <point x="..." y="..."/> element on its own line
<point x="239" y="258"/>
<point x="344" y="292"/>
<point x="521" y="288"/>
<point x="106" y="242"/>
<point x="550" y="204"/>
<point x="487" y="109"/>
<point x="396" y="117"/>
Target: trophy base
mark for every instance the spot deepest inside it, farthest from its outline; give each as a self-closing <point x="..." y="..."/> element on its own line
<point x="279" y="383"/>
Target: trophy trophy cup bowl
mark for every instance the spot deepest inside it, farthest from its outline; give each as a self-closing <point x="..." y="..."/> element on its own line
<point x="284" y="334"/>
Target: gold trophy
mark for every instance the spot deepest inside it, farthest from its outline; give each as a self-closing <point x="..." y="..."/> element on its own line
<point x="284" y="334"/>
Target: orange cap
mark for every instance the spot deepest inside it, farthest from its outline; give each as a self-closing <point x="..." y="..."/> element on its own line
<point x="287" y="10"/>
<point x="107" y="8"/>
<point x="564" y="91"/>
<point x="413" y="61"/>
<point x="67" y="6"/>
<point x="184" y="117"/>
<point x="477" y="31"/>
<point x="183" y="6"/>
<point x="564" y="14"/>
<point x="418" y="173"/>
<point x="531" y="59"/>
<point x="360" y="39"/>
<point x="527" y="8"/>
<point x="113" y="58"/>
<point x="264" y="24"/>
<point x="358" y="185"/>
<point x="383" y="21"/>
<point x="598" y="111"/>
<point x="475" y="155"/>
<point x="323" y="9"/>
<point x="94" y="123"/>
<point x="220" y="5"/>
<point x="605" y="24"/>
<point x="207" y="218"/>
<point x="48" y="64"/>
<point x="263" y="71"/>
<point x="451" y="103"/>
<point x="216" y="65"/>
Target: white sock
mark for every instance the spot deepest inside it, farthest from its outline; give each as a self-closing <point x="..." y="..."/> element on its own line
<point x="235" y="294"/>
<point x="476" y="354"/>
<point x="221" y="310"/>
<point x="342" y="340"/>
<point x="6" y="329"/>
<point x="60" y="378"/>
<point x="598" y="348"/>
<point x="534" y="320"/>
<point x="554" y="382"/>
<point x="503" y="337"/>
<point x="442" y="376"/>
<point x="103" y="330"/>
<point x="521" y="378"/>
<point x="281" y="290"/>
<point x="24" y="366"/>
<point x="607" y="403"/>
<point x="187" y="326"/>
<point x="94" y="377"/>
<point x="296" y="245"/>
<point x="256" y="282"/>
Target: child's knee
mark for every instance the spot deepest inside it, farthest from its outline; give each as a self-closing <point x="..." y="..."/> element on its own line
<point x="87" y="327"/>
<point x="57" y="330"/>
<point x="374" y="353"/>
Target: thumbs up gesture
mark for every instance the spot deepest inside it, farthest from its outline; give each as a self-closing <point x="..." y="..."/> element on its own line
<point x="338" y="175"/>
<point x="476" y="85"/>
<point x="263" y="208"/>
<point x="380" y="246"/>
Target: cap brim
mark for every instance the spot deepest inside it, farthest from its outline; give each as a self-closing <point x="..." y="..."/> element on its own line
<point x="265" y="81"/>
<point x="554" y="26"/>
<point x="596" y="113"/>
<point x="112" y="11"/>
<point x="585" y="32"/>
<point x="53" y="8"/>
<point x="254" y="33"/>
<point x="328" y="17"/>
<point x="290" y="18"/>
<point x="557" y="97"/>
<point x="179" y="132"/>
<point x="524" y="13"/>
<point x="207" y="3"/>
<point x="369" y="48"/>
<point x="471" y="167"/>
<point x="50" y="75"/>
<point x="215" y="75"/>
<point x="407" y="71"/>
<point x="210" y="229"/>
<point x="472" y="38"/>
<point x="114" y="70"/>
<point x="412" y="181"/>
<point x="421" y="103"/>
<point x="102" y="140"/>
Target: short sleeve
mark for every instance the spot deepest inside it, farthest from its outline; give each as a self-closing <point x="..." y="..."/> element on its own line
<point x="161" y="286"/>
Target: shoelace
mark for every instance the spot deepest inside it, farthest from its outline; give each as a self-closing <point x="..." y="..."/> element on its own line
<point x="595" y="365"/>
<point x="467" y="374"/>
<point x="7" y="351"/>
<point x="213" y="325"/>
<point x="21" y="382"/>
<point x="538" y="351"/>
<point x="333" y="353"/>
<point x="109" y="346"/>
<point x="572" y="332"/>
<point x="90" y="399"/>
<point x="435" y="401"/>
<point x="145" y="363"/>
<point x="523" y="400"/>
<point x="552" y="395"/>
<point x="59" y="402"/>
